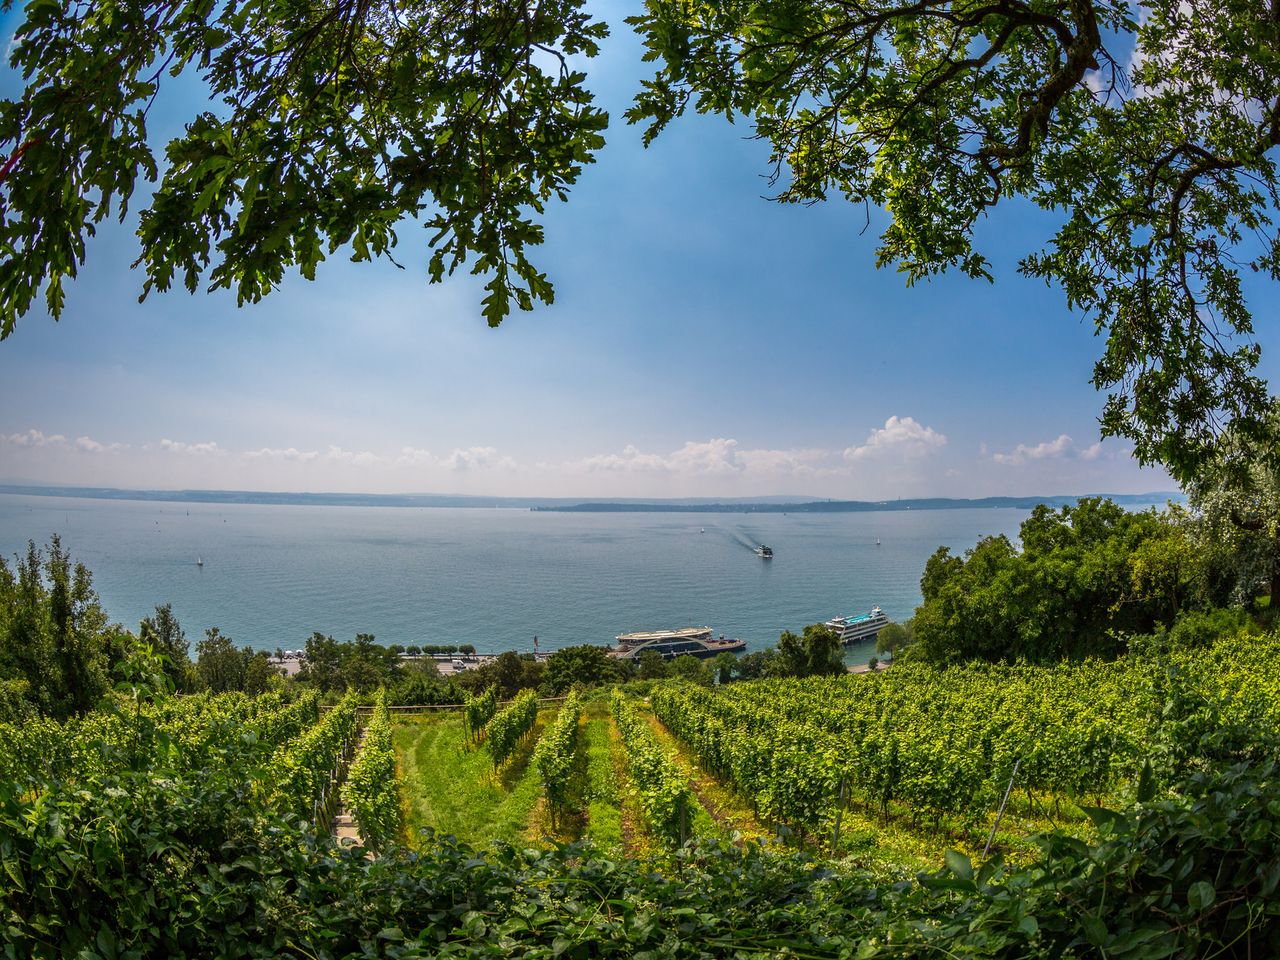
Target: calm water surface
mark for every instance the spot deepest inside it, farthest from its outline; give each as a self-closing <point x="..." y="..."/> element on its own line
<point x="491" y="577"/>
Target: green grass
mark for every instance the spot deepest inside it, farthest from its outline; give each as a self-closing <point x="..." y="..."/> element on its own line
<point x="456" y="791"/>
<point x="604" y="809"/>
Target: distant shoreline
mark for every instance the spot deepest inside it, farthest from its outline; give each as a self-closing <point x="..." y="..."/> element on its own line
<point x="866" y="506"/>
<point x="578" y="505"/>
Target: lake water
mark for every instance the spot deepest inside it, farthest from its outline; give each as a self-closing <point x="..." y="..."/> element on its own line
<point x="491" y="577"/>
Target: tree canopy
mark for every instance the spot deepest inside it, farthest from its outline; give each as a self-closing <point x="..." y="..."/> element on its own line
<point x="1148" y="130"/>
<point x="815" y="653"/>
<point x="1236" y="499"/>
<point x="57" y="645"/>
<point x="1087" y="578"/>
<point x="331" y="123"/>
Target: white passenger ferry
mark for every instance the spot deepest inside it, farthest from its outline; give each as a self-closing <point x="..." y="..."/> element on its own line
<point x="864" y="626"/>
<point x="694" y="641"/>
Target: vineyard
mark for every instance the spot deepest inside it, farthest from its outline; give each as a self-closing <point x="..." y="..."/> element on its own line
<point x="149" y="792"/>
<point x="936" y="743"/>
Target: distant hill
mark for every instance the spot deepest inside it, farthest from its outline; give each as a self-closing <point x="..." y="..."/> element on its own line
<point x="863" y="506"/>
<point x="779" y="504"/>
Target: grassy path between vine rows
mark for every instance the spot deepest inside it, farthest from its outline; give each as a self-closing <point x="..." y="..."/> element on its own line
<point x="455" y="790"/>
<point x="603" y="798"/>
<point x="876" y="839"/>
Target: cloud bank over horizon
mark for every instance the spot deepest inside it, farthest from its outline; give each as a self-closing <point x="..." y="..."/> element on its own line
<point x="901" y="458"/>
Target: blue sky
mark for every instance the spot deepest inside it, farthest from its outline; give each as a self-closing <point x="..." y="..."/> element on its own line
<point x="704" y="342"/>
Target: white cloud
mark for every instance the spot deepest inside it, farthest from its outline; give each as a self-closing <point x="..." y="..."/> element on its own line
<point x="630" y="460"/>
<point x="902" y="458"/>
<point x="713" y="456"/>
<point x="1062" y="448"/>
<point x="34" y="438"/>
<point x="478" y="458"/>
<point x="900" y="436"/>
<point x="361" y="458"/>
<point x="417" y="455"/>
<point x="208" y="448"/>
<point x="717" y="456"/>
<point x="90" y="445"/>
<point x="288" y="453"/>
<point x="795" y="463"/>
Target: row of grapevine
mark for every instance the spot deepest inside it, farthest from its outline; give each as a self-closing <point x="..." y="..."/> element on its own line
<point x="303" y="770"/>
<point x="371" y="792"/>
<point x="795" y="748"/>
<point x="1237" y="682"/>
<point x="178" y="732"/>
<point x="510" y="726"/>
<point x="664" y="794"/>
<point x="791" y="771"/>
<point x="555" y="757"/>
<point x="1076" y="730"/>
<point x="275" y="724"/>
<point x="477" y="711"/>
<point x="946" y="741"/>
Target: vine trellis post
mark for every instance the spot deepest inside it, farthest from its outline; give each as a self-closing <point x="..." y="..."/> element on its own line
<point x="1000" y="813"/>
<point x="835" y="833"/>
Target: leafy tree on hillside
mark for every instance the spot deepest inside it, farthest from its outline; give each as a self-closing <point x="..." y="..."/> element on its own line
<point x="362" y="665"/>
<point x="1170" y="573"/>
<point x="365" y="665"/>
<point x="650" y="665"/>
<point x="510" y="672"/>
<point x="1086" y="577"/>
<point x="691" y="670"/>
<point x="338" y="122"/>
<point x="818" y="652"/>
<point x="55" y="638"/>
<point x="723" y="665"/>
<point x="756" y="665"/>
<point x="894" y="638"/>
<point x="322" y="664"/>
<point x="166" y="636"/>
<point x="420" y="683"/>
<point x="1237" y="502"/>
<point x="260" y="675"/>
<point x="586" y="664"/>
<point x="220" y="667"/>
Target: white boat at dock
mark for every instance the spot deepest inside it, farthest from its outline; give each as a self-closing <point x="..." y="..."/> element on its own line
<point x="863" y="626"/>
<point x="669" y="644"/>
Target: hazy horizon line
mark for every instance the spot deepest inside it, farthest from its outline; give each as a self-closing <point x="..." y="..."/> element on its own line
<point x="339" y="498"/>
